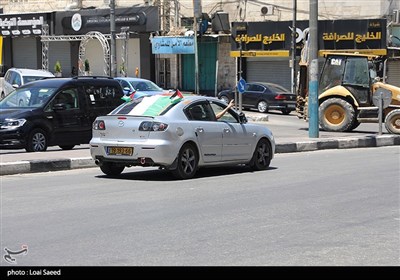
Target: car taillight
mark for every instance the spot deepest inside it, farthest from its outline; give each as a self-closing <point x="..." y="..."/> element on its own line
<point x="153" y="126"/>
<point x="99" y="125"/>
<point x="280" y="97"/>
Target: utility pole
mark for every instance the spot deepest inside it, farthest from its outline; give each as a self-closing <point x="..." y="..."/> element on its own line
<point x="113" y="54"/>
<point x="196" y="15"/>
<point x="294" y="47"/>
<point x="313" y="125"/>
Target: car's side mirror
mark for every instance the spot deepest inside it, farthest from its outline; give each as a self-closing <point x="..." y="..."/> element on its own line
<point x="15" y="85"/>
<point x="242" y="118"/>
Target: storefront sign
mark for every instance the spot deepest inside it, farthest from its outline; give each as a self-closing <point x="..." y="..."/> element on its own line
<point x="83" y="21"/>
<point x="265" y="37"/>
<point x="172" y="45"/>
<point x="22" y="25"/>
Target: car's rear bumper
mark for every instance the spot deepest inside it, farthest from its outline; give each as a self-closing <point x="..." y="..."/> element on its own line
<point x="152" y="152"/>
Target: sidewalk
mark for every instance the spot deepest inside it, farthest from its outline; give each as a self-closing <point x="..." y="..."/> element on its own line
<point x="291" y="135"/>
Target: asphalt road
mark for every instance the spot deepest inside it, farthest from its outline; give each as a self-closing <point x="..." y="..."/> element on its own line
<point x="331" y="207"/>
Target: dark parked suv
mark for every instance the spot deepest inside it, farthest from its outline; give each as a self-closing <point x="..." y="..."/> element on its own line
<point x="56" y="112"/>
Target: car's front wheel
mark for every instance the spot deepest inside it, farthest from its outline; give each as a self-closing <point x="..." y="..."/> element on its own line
<point x="36" y="141"/>
<point x="262" y="106"/>
<point x="262" y="155"/>
<point x="188" y="161"/>
<point x="111" y="169"/>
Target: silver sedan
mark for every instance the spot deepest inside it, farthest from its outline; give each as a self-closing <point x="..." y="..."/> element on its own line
<point x="180" y="134"/>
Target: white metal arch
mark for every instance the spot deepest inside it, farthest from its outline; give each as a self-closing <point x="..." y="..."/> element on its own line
<point x="104" y="44"/>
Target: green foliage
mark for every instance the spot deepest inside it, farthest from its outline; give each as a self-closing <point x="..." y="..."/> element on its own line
<point x="57" y="67"/>
<point x="87" y="65"/>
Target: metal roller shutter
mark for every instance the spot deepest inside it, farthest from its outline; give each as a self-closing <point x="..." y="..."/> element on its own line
<point x="60" y="51"/>
<point x="393" y="73"/>
<point x="269" y="70"/>
<point x="24" y="51"/>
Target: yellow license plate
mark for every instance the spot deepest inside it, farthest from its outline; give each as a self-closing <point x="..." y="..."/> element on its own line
<point x="120" y="151"/>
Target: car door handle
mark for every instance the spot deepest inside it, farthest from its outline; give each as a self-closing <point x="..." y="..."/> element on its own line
<point x="227" y="130"/>
<point x="200" y="130"/>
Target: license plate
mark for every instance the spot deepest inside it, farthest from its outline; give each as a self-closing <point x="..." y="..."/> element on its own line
<point x="120" y="151"/>
<point x="291" y="106"/>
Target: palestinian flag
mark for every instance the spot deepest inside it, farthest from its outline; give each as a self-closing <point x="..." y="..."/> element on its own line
<point x="156" y="104"/>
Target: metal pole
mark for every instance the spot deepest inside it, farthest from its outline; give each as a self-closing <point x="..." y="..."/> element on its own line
<point x="113" y="57"/>
<point x="294" y="47"/>
<point x="196" y="57"/>
<point x="313" y="125"/>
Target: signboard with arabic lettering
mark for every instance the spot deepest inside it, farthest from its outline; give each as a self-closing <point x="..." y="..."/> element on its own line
<point x="261" y="38"/>
<point x="173" y="45"/>
<point x="22" y="24"/>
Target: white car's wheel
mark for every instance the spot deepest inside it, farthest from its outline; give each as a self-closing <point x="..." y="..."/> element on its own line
<point x="262" y="155"/>
<point x="188" y="161"/>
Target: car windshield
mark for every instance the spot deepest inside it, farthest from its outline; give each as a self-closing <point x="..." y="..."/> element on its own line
<point x="28" y="79"/>
<point x="145" y="86"/>
<point x="150" y="106"/>
<point x="27" y="97"/>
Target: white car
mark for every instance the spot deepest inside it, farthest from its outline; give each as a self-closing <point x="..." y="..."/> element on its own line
<point x="16" y="77"/>
<point x="179" y="134"/>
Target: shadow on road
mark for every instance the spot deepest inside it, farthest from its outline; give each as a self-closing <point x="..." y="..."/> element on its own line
<point x="164" y="175"/>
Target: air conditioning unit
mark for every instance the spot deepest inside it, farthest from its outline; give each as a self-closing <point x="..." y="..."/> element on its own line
<point x="396" y="16"/>
<point x="267" y="10"/>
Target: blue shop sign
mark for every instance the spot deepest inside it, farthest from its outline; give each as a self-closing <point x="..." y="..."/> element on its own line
<point x="172" y="45"/>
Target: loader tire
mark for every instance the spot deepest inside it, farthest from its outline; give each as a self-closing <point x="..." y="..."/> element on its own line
<point x="392" y="121"/>
<point x="337" y="115"/>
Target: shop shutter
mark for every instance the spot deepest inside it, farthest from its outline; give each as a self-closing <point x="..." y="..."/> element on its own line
<point x="393" y="73"/>
<point x="269" y="70"/>
<point x="24" y="52"/>
<point x="60" y="51"/>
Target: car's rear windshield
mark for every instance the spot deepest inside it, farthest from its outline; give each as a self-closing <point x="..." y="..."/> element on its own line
<point x="27" y="97"/>
<point x="151" y="106"/>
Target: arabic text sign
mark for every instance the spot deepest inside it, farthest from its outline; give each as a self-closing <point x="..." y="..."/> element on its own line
<point x="172" y="45"/>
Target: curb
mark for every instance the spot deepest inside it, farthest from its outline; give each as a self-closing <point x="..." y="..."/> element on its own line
<point x="32" y="166"/>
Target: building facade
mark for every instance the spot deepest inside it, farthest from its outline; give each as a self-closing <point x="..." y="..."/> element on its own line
<point x="219" y="63"/>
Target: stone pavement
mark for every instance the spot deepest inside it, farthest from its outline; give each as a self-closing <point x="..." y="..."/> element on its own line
<point x="291" y="135"/>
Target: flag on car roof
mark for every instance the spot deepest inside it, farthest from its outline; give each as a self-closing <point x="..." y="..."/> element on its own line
<point x="155" y="104"/>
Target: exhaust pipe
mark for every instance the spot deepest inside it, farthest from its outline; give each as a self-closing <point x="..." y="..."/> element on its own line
<point x="97" y="162"/>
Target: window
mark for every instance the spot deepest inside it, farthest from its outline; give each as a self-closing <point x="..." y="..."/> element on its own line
<point x="101" y="96"/>
<point x="227" y="117"/>
<point x="356" y="72"/>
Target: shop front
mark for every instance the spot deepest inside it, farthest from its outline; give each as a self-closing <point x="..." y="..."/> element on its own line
<point x="264" y="47"/>
<point x="86" y="33"/>
<point x="21" y="38"/>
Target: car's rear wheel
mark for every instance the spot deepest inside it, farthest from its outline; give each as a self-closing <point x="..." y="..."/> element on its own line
<point x="111" y="169"/>
<point x="188" y="161"/>
<point x="262" y="155"/>
<point x="36" y="141"/>
<point x="67" y="147"/>
<point x="225" y="99"/>
<point x="286" y="111"/>
<point x="262" y="106"/>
